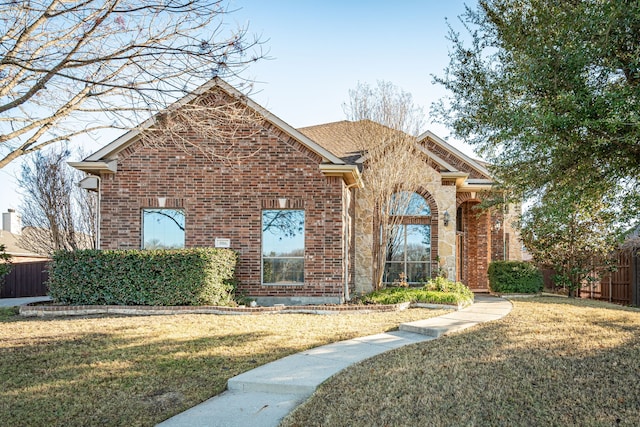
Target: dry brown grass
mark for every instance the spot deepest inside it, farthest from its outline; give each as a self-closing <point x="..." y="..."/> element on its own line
<point x="117" y="371"/>
<point x="552" y="361"/>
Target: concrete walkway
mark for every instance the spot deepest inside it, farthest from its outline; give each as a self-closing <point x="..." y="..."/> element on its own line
<point x="15" y="302"/>
<point x="263" y="396"/>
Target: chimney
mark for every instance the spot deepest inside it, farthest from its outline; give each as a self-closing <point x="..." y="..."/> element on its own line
<point x="12" y="222"/>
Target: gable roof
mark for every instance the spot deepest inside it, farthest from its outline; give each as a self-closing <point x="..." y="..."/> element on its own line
<point x="341" y="139"/>
<point x="105" y="159"/>
<point x="438" y="147"/>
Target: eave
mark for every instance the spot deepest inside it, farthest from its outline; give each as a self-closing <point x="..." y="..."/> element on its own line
<point x="459" y="177"/>
<point x="349" y="173"/>
<point x="476" y="185"/>
<point x="96" y="167"/>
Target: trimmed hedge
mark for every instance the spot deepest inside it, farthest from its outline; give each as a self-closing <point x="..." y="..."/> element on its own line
<point x="514" y="277"/>
<point x="199" y="276"/>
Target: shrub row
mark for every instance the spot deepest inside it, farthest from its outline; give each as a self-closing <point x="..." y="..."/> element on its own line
<point x="514" y="277"/>
<point x="199" y="276"/>
<point x="436" y="291"/>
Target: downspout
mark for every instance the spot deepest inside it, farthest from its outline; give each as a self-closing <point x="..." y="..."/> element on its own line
<point x="99" y="208"/>
<point x="351" y="234"/>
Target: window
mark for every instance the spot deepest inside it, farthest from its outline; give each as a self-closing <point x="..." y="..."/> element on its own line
<point x="408" y="204"/>
<point x="283" y="247"/>
<point x="163" y="228"/>
<point x="409" y="253"/>
<point x="409" y="240"/>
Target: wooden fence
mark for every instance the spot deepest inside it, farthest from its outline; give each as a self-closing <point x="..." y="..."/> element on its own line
<point x="620" y="287"/>
<point x="26" y="279"/>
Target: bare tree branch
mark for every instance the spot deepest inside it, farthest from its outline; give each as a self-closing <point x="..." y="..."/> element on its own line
<point x="56" y="213"/>
<point x="66" y="65"/>
<point x="199" y="125"/>
<point x="387" y="125"/>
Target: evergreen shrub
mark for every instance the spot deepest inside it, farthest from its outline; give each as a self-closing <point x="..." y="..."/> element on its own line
<point x="516" y="277"/>
<point x="198" y="276"/>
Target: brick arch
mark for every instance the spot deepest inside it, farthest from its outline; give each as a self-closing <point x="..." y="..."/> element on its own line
<point x="431" y="220"/>
<point x="433" y="205"/>
<point x="466" y="197"/>
<point x="473" y="242"/>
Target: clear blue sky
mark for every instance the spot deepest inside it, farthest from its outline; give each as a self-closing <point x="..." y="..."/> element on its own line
<point x="321" y="49"/>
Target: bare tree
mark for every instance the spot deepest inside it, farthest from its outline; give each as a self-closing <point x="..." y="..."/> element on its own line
<point x="221" y="120"/>
<point x="71" y="67"/>
<point x="386" y="129"/>
<point x="56" y="213"/>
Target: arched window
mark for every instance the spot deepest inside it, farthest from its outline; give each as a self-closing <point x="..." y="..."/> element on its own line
<point x="409" y="243"/>
<point x="408" y="204"/>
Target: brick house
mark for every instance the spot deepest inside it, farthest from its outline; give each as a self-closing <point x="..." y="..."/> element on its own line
<point x="289" y="206"/>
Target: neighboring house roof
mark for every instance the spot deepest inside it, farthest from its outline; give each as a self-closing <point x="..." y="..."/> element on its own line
<point x="105" y="159"/>
<point x="10" y="242"/>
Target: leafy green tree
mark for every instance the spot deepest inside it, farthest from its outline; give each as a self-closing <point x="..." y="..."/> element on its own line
<point x="549" y="93"/>
<point x="574" y="236"/>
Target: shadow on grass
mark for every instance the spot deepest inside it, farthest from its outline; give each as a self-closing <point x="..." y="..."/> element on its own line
<point x="114" y="380"/>
<point x="124" y="370"/>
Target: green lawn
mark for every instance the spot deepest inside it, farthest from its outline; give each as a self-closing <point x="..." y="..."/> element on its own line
<point x="550" y="362"/>
<point x="140" y="370"/>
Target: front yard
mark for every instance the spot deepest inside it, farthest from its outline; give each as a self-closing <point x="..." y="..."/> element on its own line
<point x="551" y="361"/>
<point x="140" y="370"/>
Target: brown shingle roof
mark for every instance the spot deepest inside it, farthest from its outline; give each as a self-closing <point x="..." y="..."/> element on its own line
<point x="342" y="139"/>
<point x="337" y="137"/>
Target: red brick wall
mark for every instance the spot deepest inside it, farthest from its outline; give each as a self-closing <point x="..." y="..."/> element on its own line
<point x="224" y="200"/>
<point x="477" y="246"/>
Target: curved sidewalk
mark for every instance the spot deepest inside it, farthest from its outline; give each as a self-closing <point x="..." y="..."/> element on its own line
<point x="263" y="396"/>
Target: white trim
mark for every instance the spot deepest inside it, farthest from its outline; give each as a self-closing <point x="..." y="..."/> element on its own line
<point x="91" y="182"/>
<point x="477" y="166"/>
<point x="93" y="167"/>
<point x="476" y="181"/>
<point x="435" y="158"/>
<point x="424" y="151"/>
<point x="350" y="173"/>
<point x="474" y="188"/>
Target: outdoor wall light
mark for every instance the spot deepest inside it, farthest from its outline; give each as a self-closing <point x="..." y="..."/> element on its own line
<point x="446" y="218"/>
